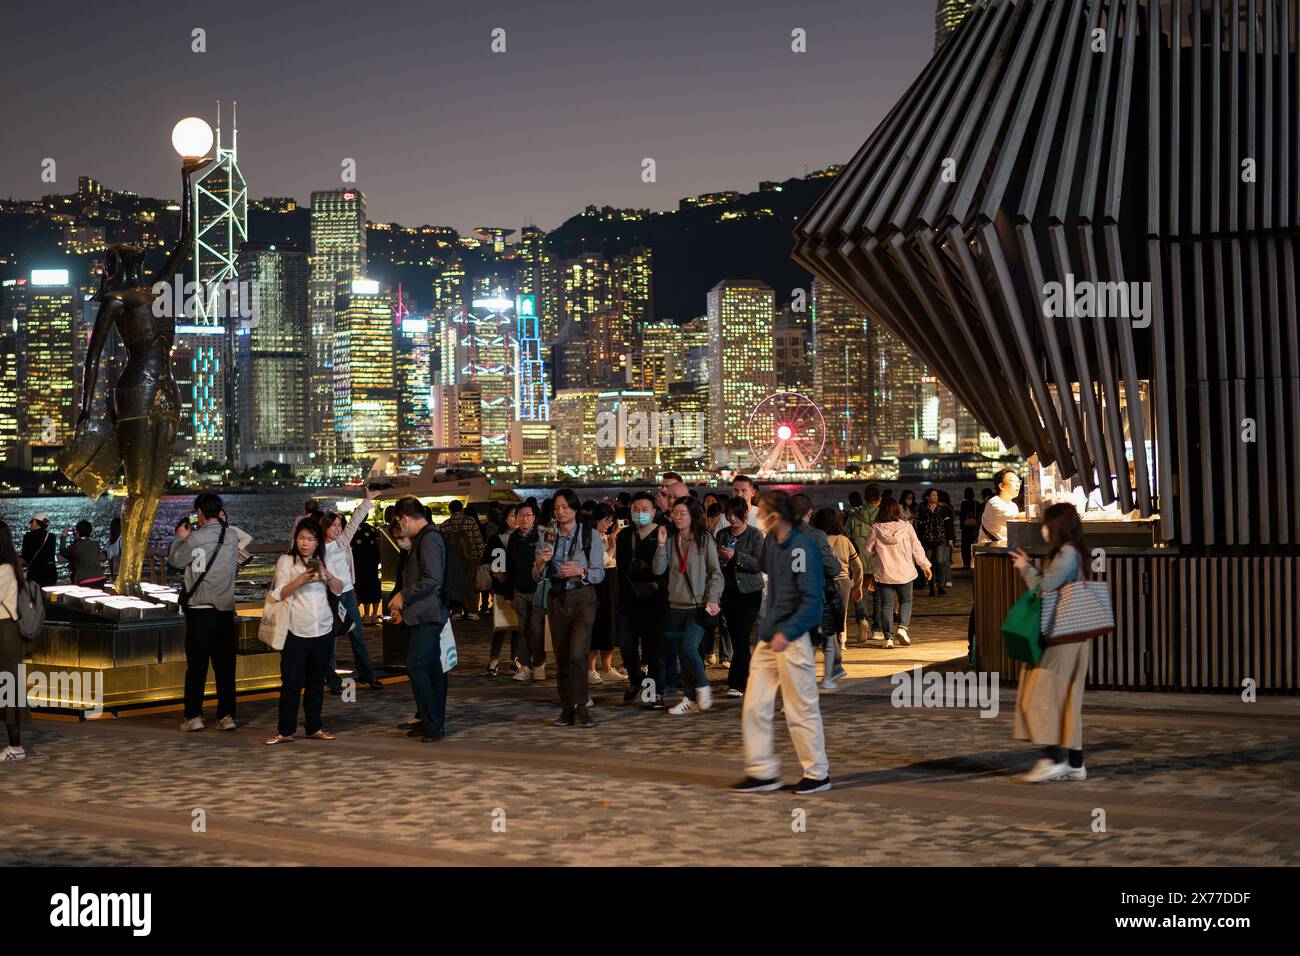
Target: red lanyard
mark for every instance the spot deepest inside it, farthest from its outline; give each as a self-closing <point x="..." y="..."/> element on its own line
<point x="682" y="555"/>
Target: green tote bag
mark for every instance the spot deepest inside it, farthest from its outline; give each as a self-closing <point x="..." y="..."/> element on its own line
<point x="1020" y="630"/>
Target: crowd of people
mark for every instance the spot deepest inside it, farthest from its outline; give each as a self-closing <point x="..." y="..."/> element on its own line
<point x="756" y="582"/>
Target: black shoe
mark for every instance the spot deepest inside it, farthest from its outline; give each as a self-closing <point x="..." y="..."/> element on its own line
<point x="629" y="698"/>
<point x="432" y="737"/>
<point x="335" y="690"/>
<point x="416" y="732"/>
<point x="755" y="785"/>
<point x="942" y="591"/>
<point x="566" y="719"/>
<point x="411" y="725"/>
<point x="374" y="683"/>
<point x="492" y="669"/>
<point x="657" y="704"/>
<point x="808" y="785"/>
<point x="584" y="718"/>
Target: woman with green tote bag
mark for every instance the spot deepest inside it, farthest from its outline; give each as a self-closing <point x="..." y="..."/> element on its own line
<point x="1049" y="705"/>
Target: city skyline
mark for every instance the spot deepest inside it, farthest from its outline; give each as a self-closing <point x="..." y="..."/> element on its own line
<point x="533" y="162"/>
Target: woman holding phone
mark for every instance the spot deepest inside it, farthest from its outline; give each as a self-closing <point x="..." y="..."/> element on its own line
<point x="302" y="579"/>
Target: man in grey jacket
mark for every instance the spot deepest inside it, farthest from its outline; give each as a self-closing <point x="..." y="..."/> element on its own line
<point x="420" y="607"/>
<point x="210" y="556"/>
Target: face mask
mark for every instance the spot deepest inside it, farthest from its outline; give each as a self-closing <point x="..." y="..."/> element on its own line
<point x="642" y="517"/>
<point x="1046" y="534"/>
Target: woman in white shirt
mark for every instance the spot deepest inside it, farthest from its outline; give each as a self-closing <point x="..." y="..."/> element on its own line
<point x="301" y="578"/>
<point x="338" y="558"/>
<point x="11" y="644"/>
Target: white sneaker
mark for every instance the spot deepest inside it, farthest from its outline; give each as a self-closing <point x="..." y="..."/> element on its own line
<point x="194" y="723"/>
<point x="889" y="643"/>
<point x="1045" y="769"/>
<point x="612" y="676"/>
<point x="523" y="674"/>
<point x="704" y="697"/>
<point x="829" y="683"/>
<point x="226" y="723"/>
<point x="12" y="753"/>
<point x="472" y="616"/>
<point x="590" y="702"/>
<point x="902" y="636"/>
<point x="1077" y="773"/>
<point x="877" y="635"/>
<point x="732" y="692"/>
<point x="684" y="706"/>
<point x="593" y="677"/>
<point x="539" y="672"/>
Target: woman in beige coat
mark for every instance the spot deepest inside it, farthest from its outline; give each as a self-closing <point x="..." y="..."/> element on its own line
<point x="1049" y="706"/>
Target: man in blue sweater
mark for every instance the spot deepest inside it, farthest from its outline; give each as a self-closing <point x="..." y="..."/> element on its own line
<point x="783" y="656"/>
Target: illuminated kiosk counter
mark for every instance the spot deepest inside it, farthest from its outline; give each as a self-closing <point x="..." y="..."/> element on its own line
<point x="136" y="648"/>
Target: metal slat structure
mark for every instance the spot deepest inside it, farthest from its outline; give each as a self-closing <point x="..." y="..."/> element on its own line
<point x="1140" y="142"/>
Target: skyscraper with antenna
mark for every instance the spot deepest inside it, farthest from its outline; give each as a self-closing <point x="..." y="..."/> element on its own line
<point x="220" y="228"/>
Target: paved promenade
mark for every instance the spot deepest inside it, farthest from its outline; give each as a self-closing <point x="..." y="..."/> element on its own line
<point x="1180" y="780"/>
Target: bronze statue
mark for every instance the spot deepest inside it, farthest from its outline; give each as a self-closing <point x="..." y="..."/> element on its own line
<point x="138" y="430"/>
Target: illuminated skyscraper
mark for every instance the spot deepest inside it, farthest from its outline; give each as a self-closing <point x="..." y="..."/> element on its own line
<point x="536" y="276"/>
<point x="220" y="228"/>
<point x="697" y="345"/>
<point x="585" y="289"/>
<point x="11" y="416"/>
<point x="365" y="397"/>
<point x="43" y="309"/>
<point x="947" y="15"/>
<point x="532" y="389"/>
<point x="657" y="360"/>
<point x="573" y="413"/>
<point x="633" y="281"/>
<point x="840" y="365"/>
<point x="450" y="288"/>
<point x="478" y="349"/>
<point x="338" y="245"/>
<point x="609" y="344"/>
<point x="896" y="393"/>
<point x="272" y="350"/>
<point x="741" y="372"/>
<point x="413" y="357"/>
<point x="627" y="431"/>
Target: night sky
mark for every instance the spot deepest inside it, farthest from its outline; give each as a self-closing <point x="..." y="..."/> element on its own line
<point x="443" y="130"/>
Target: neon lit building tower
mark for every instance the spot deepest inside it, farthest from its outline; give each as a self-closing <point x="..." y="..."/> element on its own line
<point x="741" y="370"/>
<point x="365" y="394"/>
<point x="338" y="245"/>
<point x="531" y="399"/>
<point x="220" y="228"/>
<point x="413" y="365"/>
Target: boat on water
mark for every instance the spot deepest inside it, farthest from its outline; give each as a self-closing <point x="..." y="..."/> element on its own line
<point x="439" y="481"/>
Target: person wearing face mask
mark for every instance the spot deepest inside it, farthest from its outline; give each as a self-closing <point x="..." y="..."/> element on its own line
<point x="641" y="604"/>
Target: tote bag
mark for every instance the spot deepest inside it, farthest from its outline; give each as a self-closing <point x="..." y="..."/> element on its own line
<point x="274" y="626"/>
<point x="1021" y="630"/>
<point x="1077" y="611"/>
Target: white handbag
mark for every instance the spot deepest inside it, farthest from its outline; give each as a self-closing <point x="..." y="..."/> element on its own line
<point x="1076" y="612"/>
<point x="274" y="626"/>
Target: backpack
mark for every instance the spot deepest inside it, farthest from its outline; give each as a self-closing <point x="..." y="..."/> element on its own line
<point x="29" y="613"/>
<point x="455" y="583"/>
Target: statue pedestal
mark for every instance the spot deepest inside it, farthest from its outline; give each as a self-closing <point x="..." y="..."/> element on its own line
<point x="81" y="655"/>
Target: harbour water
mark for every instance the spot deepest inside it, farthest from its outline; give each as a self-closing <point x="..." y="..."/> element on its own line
<point x="267" y="516"/>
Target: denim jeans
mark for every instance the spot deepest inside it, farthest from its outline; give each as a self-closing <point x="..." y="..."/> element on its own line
<point x="428" y="679"/>
<point x="684" y="632"/>
<point x="887" y="594"/>
<point x="940" y="557"/>
<point x="365" y="671"/>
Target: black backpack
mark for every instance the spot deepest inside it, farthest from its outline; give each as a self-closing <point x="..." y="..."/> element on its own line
<point x="455" y="584"/>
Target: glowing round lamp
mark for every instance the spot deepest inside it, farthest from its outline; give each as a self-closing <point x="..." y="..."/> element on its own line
<point x="783" y="432"/>
<point x="192" y="138"/>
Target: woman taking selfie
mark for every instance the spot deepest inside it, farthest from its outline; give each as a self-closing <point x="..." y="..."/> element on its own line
<point x="1049" y="704"/>
<point x="690" y="556"/>
<point x="301" y="579"/>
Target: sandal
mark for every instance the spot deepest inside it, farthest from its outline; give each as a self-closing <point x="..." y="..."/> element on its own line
<point x="321" y="735"/>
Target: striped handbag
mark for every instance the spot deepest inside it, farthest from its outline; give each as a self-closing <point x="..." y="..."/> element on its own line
<point x="1077" y="612"/>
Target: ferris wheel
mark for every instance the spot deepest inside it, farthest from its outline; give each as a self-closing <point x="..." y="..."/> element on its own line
<point x="786" y="432"/>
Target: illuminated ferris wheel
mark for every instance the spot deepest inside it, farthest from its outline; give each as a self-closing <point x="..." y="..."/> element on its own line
<point x="786" y="432"/>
